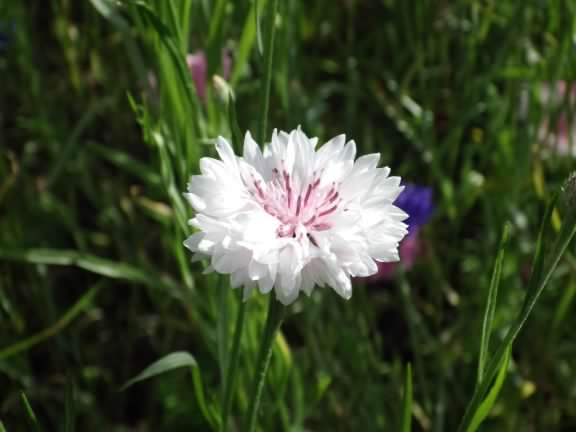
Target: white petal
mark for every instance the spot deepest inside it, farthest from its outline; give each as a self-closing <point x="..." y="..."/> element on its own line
<point x="330" y="150"/>
<point x="253" y="154"/>
<point x="226" y="153"/>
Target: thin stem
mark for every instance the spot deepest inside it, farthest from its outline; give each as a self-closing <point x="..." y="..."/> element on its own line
<point x="268" y="61"/>
<point x="230" y="378"/>
<point x="276" y="312"/>
<point x="562" y="241"/>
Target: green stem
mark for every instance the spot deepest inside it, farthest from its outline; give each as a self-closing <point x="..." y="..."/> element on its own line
<point x="230" y="378"/>
<point x="268" y="61"/>
<point x="564" y="238"/>
<point x="276" y="312"/>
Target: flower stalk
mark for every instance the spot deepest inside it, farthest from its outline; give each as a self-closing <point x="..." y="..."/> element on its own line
<point x="268" y="61"/>
<point x="276" y="313"/>
<point x="232" y="367"/>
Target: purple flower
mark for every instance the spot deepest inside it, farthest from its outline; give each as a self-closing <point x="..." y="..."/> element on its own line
<point x="198" y="66"/>
<point x="558" y="133"/>
<point x="6" y="33"/>
<point x="418" y="202"/>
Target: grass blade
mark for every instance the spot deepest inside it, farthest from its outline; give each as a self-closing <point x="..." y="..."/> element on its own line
<point x="167" y="363"/>
<point x="91" y="263"/>
<point x="538" y="282"/>
<point x="30" y="415"/>
<point x="69" y="420"/>
<point x="487" y="324"/>
<point x="485" y="407"/>
<point x="173" y="361"/>
<point x="267" y="82"/>
<point x="54" y="329"/>
<point x="126" y="162"/>
<point x="407" y="404"/>
<point x="109" y="10"/>
<point x="246" y="41"/>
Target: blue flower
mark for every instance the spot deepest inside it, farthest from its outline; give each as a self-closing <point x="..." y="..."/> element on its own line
<point x="418" y="202"/>
<point x="6" y="32"/>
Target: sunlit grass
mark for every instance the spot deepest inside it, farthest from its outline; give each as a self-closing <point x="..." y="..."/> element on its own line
<point x="101" y="126"/>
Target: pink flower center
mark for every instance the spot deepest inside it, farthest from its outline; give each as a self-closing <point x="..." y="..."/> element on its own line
<point x="300" y="212"/>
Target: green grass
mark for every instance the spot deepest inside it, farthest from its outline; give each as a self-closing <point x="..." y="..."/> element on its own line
<point x="95" y="285"/>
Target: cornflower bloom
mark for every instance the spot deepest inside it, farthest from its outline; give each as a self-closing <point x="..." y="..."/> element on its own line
<point x="293" y="216"/>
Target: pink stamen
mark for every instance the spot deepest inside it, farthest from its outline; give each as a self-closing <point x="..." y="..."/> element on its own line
<point x="322" y="226"/>
<point x="308" y="192"/>
<point x="288" y="188"/>
<point x="309" y="221"/>
<point x="311" y="211"/>
<point x="259" y="189"/>
<point x="327" y="212"/>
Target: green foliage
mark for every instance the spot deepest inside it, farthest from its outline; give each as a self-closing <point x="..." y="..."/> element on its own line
<point x="407" y="405"/>
<point x="171" y="361"/>
<point x="101" y="125"/>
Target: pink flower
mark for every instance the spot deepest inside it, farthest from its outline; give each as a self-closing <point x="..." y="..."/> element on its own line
<point x="410" y="249"/>
<point x="198" y="66"/>
<point x="418" y="202"/>
<point x="557" y="131"/>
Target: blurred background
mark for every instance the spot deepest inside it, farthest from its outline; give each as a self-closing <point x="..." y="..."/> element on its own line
<point x="105" y="109"/>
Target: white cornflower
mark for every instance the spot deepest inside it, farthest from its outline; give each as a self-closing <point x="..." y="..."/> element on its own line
<point x="293" y="217"/>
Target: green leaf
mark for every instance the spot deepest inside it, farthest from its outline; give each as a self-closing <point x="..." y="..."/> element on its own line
<point x="259" y="43"/>
<point x="109" y="10"/>
<point x="407" y="404"/>
<point x="266" y="80"/>
<point x="54" y="329"/>
<point x="246" y="41"/>
<point x="485" y="407"/>
<point x="170" y="46"/>
<point x="126" y="162"/>
<point x="173" y="361"/>
<point x="30" y="415"/>
<point x="70" y="408"/>
<point x="2" y="428"/>
<point x="167" y="363"/>
<point x="543" y="269"/>
<point x="488" y="322"/>
<point x="72" y="147"/>
<point x="92" y="263"/>
<point x="540" y="251"/>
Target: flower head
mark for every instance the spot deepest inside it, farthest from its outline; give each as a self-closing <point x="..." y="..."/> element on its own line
<point x="558" y="132"/>
<point x="418" y="202"/>
<point x="7" y="30"/>
<point x="198" y="67"/>
<point x="294" y="216"/>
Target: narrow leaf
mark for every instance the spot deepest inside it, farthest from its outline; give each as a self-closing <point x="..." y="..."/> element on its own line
<point x="258" y="28"/>
<point x="488" y="322"/>
<point x="246" y="41"/>
<point x="92" y="263"/>
<point x="109" y="10"/>
<point x="30" y="415"/>
<point x="54" y="329"/>
<point x="70" y="408"/>
<point x="167" y="363"/>
<point x="126" y="162"/>
<point x="485" y="407"/>
<point x="407" y="404"/>
<point x="538" y="282"/>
